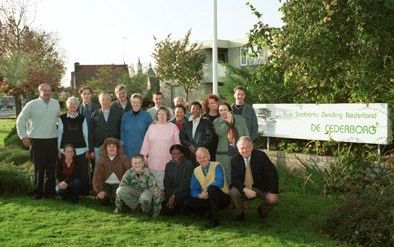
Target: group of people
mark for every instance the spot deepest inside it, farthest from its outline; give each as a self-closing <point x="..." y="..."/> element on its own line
<point x="161" y="160"/>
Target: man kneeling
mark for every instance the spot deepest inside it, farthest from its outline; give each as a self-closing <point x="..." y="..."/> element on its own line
<point x="252" y="174"/>
<point x="208" y="187"/>
<point x="138" y="189"/>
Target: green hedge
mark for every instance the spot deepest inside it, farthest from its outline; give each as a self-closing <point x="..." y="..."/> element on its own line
<point x="16" y="156"/>
<point x="15" y="179"/>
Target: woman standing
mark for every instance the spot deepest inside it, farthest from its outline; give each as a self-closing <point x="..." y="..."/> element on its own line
<point x="228" y="128"/>
<point x="180" y="116"/>
<point x="211" y="105"/>
<point x="161" y="135"/>
<point x="134" y="125"/>
<point x="73" y="129"/>
<point x="68" y="176"/>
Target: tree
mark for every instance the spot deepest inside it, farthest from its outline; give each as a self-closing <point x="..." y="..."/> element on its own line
<point x="107" y="78"/>
<point x="331" y="51"/>
<point x="179" y="62"/>
<point x="27" y="57"/>
<point x="236" y="77"/>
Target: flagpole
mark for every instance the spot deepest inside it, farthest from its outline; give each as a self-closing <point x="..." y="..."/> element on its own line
<point x="215" y="51"/>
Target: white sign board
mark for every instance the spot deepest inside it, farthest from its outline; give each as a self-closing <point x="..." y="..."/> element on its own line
<point x="361" y="123"/>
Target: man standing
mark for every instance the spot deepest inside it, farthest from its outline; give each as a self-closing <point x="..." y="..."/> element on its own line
<point x="245" y="110"/>
<point x="88" y="106"/>
<point x="197" y="132"/>
<point x="252" y="174"/>
<point x="122" y="103"/>
<point x="36" y="126"/>
<point x="104" y="123"/>
<point x="157" y="98"/>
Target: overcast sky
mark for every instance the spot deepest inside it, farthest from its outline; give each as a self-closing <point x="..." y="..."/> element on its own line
<point x="117" y="31"/>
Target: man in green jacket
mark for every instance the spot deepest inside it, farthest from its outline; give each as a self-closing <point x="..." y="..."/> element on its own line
<point x="245" y="110"/>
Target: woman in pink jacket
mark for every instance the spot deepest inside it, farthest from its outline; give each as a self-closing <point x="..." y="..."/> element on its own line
<point x="161" y="135"/>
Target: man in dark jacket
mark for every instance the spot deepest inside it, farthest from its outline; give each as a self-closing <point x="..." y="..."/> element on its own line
<point x="197" y="132"/>
<point x="122" y="103"/>
<point x="252" y="174"/>
<point x="104" y="123"/>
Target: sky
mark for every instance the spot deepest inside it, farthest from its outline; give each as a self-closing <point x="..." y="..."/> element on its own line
<point x="121" y="31"/>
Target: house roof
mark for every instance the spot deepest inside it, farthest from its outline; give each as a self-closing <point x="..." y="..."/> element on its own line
<point x="82" y="73"/>
<point x="206" y="44"/>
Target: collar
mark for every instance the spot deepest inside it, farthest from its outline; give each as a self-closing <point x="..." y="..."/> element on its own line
<point x="111" y="157"/>
<point x="72" y="115"/>
<point x="191" y="118"/>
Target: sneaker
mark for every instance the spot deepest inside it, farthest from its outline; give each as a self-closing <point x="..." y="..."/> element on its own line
<point x="116" y="211"/>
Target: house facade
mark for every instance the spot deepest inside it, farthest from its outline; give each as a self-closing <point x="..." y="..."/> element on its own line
<point x="233" y="52"/>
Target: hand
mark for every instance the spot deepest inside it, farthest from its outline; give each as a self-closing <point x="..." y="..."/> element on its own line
<point x="146" y="160"/>
<point x="271" y="198"/>
<point x="87" y="154"/>
<point x="92" y="156"/>
<point x="26" y="141"/>
<point x="249" y="193"/>
<point x="192" y="149"/>
<point x="203" y="195"/>
<point x="101" y="195"/>
<point x="171" y="202"/>
<point x="63" y="185"/>
<point x="59" y="155"/>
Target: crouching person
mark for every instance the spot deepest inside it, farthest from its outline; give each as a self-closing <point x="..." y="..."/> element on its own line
<point x="68" y="176"/>
<point x="209" y="189"/>
<point x="252" y="175"/>
<point x="138" y="189"/>
<point x="110" y="168"/>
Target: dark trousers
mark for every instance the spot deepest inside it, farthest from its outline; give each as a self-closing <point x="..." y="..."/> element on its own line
<point x="180" y="199"/>
<point x="43" y="153"/>
<point x="82" y="161"/>
<point x="72" y="191"/>
<point x="217" y="200"/>
<point x="110" y="190"/>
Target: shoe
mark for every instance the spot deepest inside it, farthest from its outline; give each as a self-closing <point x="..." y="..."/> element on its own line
<point x="36" y="196"/>
<point x="212" y="224"/>
<point x="263" y="211"/>
<point x="240" y="217"/>
<point x="49" y="196"/>
<point x="116" y="211"/>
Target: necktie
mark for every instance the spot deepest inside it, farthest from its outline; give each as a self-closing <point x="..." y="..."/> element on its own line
<point x="248" y="175"/>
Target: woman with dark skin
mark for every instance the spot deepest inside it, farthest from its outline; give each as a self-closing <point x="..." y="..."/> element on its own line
<point x="177" y="177"/>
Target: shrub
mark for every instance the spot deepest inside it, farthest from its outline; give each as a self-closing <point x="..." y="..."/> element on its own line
<point x="365" y="218"/>
<point x="12" y="139"/>
<point x="16" y="156"/>
<point x="15" y="179"/>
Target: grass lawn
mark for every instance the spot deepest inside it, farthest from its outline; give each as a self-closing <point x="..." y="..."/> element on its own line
<point x="5" y="126"/>
<point x="294" y="222"/>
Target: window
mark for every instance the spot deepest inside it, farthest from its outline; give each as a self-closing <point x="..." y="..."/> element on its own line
<point x="248" y="58"/>
<point x="223" y="55"/>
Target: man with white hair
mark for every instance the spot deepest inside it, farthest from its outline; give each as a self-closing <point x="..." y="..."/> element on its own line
<point x="252" y="175"/>
<point x="105" y="122"/>
<point x="36" y="127"/>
